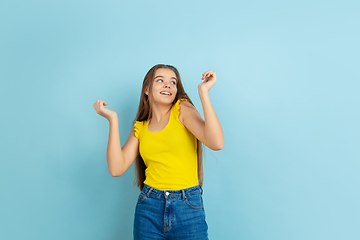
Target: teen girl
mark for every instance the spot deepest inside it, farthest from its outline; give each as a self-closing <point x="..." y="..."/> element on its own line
<point x="166" y="143"/>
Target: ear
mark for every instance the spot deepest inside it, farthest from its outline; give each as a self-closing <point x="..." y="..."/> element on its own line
<point x="146" y="91"/>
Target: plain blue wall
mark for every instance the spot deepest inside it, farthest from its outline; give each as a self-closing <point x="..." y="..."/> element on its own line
<point x="287" y="97"/>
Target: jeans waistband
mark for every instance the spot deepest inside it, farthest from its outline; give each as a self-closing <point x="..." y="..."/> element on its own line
<point x="172" y="193"/>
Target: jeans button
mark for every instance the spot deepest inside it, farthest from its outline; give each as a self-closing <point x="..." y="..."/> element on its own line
<point x="167" y="193"/>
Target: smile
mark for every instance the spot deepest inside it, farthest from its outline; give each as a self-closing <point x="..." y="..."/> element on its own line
<point x="165" y="93"/>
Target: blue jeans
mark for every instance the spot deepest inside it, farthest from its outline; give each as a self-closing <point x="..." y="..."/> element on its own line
<point x="170" y="214"/>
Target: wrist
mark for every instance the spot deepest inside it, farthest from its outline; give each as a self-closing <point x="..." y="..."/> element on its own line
<point x="204" y="95"/>
<point x="203" y="91"/>
<point x="113" y="117"/>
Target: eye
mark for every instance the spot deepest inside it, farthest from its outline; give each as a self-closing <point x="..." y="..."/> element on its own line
<point x="173" y="82"/>
<point x="159" y="80"/>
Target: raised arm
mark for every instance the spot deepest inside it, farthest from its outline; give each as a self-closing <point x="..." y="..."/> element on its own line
<point x="209" y="132"/>
<point x="118" y="159"/>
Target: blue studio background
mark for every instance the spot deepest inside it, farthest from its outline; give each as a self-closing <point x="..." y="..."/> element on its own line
<point x="287" y="97"/>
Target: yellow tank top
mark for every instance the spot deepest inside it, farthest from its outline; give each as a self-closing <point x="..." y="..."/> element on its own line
<point x="170" y="155"/>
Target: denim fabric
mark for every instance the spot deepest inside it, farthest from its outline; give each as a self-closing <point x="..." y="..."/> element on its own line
<point x="171" y="215"/>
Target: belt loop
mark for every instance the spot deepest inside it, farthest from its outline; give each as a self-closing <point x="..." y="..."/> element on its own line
<point x="183" y="194"/>
<point x="148" y="193"/>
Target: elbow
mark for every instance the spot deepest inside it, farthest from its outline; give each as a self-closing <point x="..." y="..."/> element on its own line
<point x="215" y="145"/>
<point x="114" y="174"/>
<point x="218" y="146"/>
<point x="115" y="169"/>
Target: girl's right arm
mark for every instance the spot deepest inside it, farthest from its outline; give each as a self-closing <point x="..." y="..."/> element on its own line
<point x="118" y="159"/>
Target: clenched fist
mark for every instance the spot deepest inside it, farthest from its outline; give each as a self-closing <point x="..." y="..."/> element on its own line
<point x="101" y="110"/>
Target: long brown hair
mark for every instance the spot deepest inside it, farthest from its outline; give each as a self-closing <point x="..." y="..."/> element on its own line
<point x="144" y="113"/>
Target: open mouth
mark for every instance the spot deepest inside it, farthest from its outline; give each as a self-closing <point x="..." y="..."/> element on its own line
<point x="165" y="93"/>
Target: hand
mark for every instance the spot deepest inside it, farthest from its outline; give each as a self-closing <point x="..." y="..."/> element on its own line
<point x="101" y="110"/>
<point x="210" y="80"/>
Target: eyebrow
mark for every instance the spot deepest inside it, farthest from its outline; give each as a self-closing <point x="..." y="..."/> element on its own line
<point x="163" y="77"/>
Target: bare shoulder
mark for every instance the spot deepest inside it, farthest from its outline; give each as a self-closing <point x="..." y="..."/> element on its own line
<point x="185" y="105"/>
<point x="187" y="110"/>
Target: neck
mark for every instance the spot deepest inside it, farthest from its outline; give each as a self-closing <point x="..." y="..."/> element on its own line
<point x="160" y="111"/>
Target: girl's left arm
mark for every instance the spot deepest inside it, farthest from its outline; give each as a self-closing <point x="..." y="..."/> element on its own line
<point x="209" y="132"/>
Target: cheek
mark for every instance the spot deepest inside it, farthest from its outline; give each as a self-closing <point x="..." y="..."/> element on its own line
<point x="155" y="87"/>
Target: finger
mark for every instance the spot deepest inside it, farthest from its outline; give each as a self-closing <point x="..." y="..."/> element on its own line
<point x="205" y="73"/>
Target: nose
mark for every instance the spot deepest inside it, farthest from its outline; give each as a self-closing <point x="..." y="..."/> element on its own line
<point x="166" y="85"/>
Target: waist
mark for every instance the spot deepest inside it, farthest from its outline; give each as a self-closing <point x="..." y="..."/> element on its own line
<point x="172" y="193"/>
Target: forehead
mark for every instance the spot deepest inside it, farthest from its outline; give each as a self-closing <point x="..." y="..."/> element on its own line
<point x="167" y="73"/>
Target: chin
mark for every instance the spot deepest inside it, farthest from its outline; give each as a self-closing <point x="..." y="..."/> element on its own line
<point x="167" y="100"/>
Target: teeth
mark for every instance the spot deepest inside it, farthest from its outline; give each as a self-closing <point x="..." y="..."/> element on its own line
<point x="165" y="93"/>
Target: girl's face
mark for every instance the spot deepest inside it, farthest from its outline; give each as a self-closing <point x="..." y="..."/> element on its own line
<point x="163" y="86"/>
